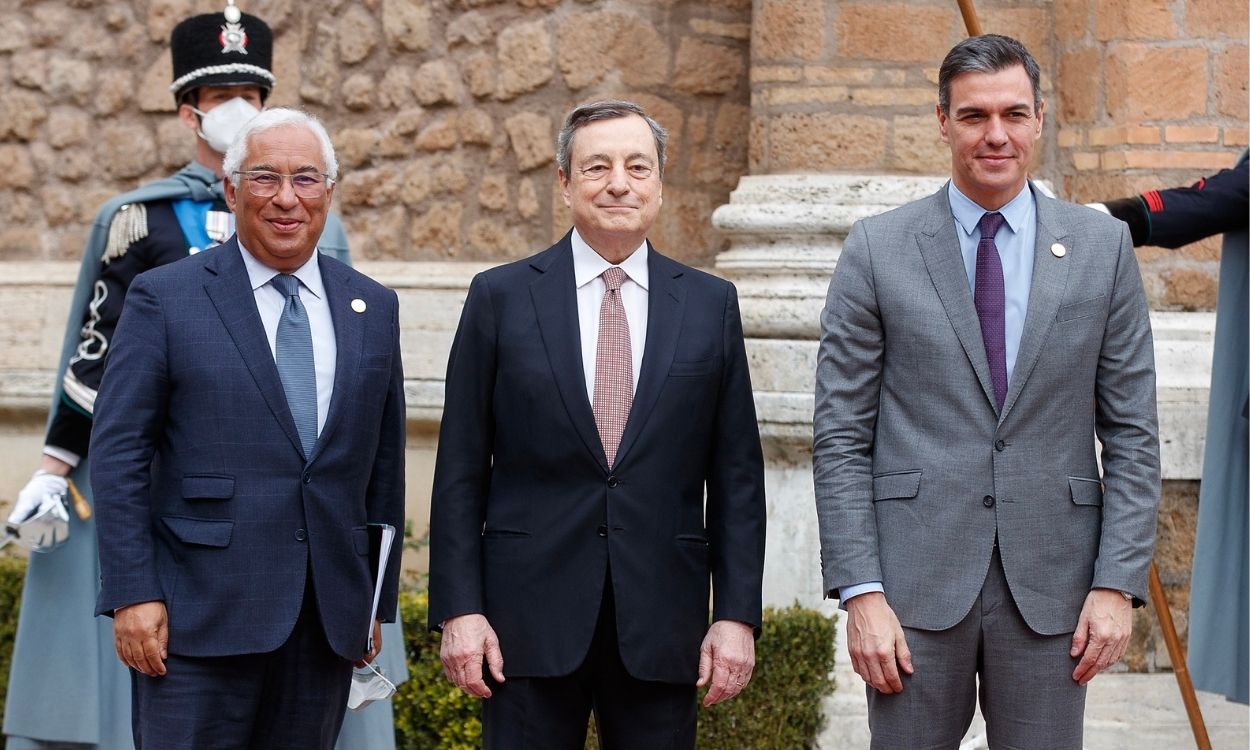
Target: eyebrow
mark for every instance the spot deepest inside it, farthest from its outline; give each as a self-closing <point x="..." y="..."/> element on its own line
<point x="271" y="168"/>
<point x="605" y="157"/>
<point x="972" y="110"/>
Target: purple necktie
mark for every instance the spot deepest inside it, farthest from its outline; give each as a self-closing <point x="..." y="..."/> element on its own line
<point x="989" y="298"/>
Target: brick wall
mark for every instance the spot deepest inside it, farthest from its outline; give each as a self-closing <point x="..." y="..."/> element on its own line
<point x="444" y="112"/>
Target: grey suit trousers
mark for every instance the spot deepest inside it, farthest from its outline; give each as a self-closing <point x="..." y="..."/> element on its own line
<point x="1028" y="697"/>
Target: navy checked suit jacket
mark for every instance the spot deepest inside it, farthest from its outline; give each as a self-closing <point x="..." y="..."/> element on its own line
<point x="204" y="499"/>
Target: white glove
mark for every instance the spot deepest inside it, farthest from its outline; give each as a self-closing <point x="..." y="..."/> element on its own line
<point x="44" y="487"/>
<point x="1099" y="207"/>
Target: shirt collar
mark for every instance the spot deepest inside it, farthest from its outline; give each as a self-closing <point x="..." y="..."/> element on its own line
<point x="968" y="214"/>
<point x="259" y="274"/>
<point x="587" y="264"/>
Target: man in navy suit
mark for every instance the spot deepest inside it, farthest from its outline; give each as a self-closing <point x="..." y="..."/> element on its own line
<point x="250" y="424"/>
<point x="599" y="468"/>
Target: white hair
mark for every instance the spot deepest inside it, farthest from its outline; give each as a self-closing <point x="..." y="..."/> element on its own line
<point x="276" y="118"/>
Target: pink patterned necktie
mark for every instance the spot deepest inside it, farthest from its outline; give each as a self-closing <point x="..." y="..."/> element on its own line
<point x="989" y="297"/>
<point x="614" y="366"/>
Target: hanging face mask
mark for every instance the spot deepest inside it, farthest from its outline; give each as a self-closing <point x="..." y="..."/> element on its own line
<point x="222" y="123"/>
<point x="368" y="685"/>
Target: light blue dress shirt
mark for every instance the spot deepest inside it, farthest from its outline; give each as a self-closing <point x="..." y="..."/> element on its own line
<point x="1015" y="241"/>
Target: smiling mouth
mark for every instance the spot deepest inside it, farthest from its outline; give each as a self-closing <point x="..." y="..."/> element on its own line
<point x="284" y="225"/>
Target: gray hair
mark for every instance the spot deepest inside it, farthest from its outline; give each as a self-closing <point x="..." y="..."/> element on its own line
<point x="988" y="53"/>
<point x="276" y="118"/>
<point x="605" y="109"/>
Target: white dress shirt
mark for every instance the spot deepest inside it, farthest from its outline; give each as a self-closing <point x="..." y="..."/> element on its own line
<point x="312" y="293"/>
<point x="588" y="266"/>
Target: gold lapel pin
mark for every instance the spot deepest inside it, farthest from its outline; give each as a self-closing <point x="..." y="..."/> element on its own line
<point x="1058" y="250"/>
<point x="358" y="305"/>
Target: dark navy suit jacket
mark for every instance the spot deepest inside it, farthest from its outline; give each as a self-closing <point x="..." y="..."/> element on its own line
<point x="527" y="518"/>
<point x="204" y="499"/>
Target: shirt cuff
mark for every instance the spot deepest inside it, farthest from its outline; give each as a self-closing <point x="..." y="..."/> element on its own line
<point x="61" y="454"/>
<point x="847" y="593"/>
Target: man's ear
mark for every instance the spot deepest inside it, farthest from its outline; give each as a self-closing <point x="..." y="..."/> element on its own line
<point x="229" y="186"/>
<point x="942" y="123"/>
<point x="189" y="118"/>
<point x="564" y="186"/>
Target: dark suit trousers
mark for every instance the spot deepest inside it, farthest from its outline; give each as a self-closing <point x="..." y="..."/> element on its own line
<point x="292" y="698"/>
<point x="551" y="713"/>
<point x="1028" y="697"/>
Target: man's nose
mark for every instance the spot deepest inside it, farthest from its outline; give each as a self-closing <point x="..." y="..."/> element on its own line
<point x="995" y="132"/>
<point x="618" y="180"/>
<point x="286" y="196"/>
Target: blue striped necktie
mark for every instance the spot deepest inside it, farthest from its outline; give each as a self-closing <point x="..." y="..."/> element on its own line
<point x="294" y="356"/>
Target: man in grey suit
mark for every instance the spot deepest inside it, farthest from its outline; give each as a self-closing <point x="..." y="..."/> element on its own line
<point x="975" y="343"/>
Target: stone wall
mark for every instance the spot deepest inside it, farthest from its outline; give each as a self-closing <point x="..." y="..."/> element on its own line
<point x="1152" y="94"/>
<point x="444" y="112"/>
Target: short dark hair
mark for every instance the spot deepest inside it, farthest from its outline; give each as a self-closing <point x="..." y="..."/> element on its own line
<point x="988" y="53"/>
<point x="605" y="109"/>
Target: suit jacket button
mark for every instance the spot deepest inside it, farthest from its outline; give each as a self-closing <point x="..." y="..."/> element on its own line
<point x="307" y="478"/>
<point x="612" y="481"/>
<point x="999" y="445"/>
<point x="988" y="501"/>
<point x="602" y="531"/>
<point x="300" y="535"/>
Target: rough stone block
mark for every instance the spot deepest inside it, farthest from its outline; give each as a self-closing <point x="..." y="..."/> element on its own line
<point x="788" y="30"/>
<point x="775" y="73"/>
<point x="488" y="237"/>
<point x="479" y="73"/>
<point x="492" y="193"/>
<point x="839" y="75"/>
<point x="175" y="144"/>
<point x="1070" y="137"/>
<point x="1125" y="134"/>
<point x="531" y="138"/>
<point x="370" y="187"/>
<point x="782" y="96"/>
<point x="1216" y="18"/>
<point x="594" y="44"/>
<point x="439" y="135"/>
<point x="113" y="91"/>
<point x="437" y="82"/>
<point x="1190" y="288"/>
<point x="912" y="98"/>
<point x="708" y="68"/>
<point x="1231" y="67"/>
<point x="894" y="33"/>
<point x="476" y="126"/>
<point x="67" y="127"/>
<point x="358" y="35"/>
<point x="163" y="15"/>
<point x="357" y="92"/>
<point x="321" y="70"/>
<point x="471" y="28"/>
<point x="406" y="24"/>
<point x="1079" y="85"/>
<point x="527" y="199"/>
<point x="16" y="171"/>
<point x="437" y="231"/>
<point x="1137" y="73"/>
<point x="1072" y="19"/>
<point x="525" y="59"/>
<point x="825" y="140"/>
<point x="918" y="147"/>
<point x="355" y="146"/>
<point x="1133" y="19"/>
<point x="1085" y="160"/>
<point x="115" y="150"/>
<point x="1031" y="26"/>
<point x="1236" y="137"/>
<point x="395" y="89"/>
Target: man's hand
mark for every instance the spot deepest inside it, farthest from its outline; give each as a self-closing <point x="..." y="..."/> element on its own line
<point x="1102" y="632"/>
<point x="377" y="645"/>
<point x="141" y="636"/>
<point x="467" y="640"/>
<point x="876" y="642"/>
<point x="726" y="660"/>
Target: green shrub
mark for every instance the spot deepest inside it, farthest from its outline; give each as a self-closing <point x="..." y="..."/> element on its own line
<point x="780" y="709"/>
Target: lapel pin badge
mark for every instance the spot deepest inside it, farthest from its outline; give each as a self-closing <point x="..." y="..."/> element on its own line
<point x="358" y="305"/>
<point x="1058" y="250"/>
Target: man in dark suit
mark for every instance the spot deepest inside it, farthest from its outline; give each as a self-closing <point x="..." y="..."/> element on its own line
<point x="596" y="393"/>
<point x="976" y="344"/>
<point x="249" y="425"/>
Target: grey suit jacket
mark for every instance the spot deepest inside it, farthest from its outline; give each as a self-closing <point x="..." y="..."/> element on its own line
<point x="916" y="472"/>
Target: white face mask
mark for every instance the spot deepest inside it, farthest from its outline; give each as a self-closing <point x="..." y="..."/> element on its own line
<point x="222" y="123"/>
<point x="368" y="685"/>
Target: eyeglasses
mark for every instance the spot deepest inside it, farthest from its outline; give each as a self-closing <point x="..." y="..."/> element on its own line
<point x="597" y="172"/>
<point x="265" y="184"/>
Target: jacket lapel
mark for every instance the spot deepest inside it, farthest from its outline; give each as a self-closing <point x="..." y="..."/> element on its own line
<point x="554" y="294"/>
<point x="939" y="246"/>
<point x="1050" y="278"/>
<point x="230" y="291"/>
<point x="349" y="329"/>
<point x="666" y="304"/>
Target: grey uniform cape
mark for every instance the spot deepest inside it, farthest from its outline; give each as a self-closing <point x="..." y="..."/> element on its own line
<point x="1219" y="638"/>
<point x="66" y="684"/>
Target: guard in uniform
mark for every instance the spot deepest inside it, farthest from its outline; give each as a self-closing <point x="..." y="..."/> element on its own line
<point x="67" y="690"/>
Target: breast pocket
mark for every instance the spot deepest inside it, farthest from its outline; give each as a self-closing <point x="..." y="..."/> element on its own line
<point x="1083" y="309"/>
<point x="694" y="368"/>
